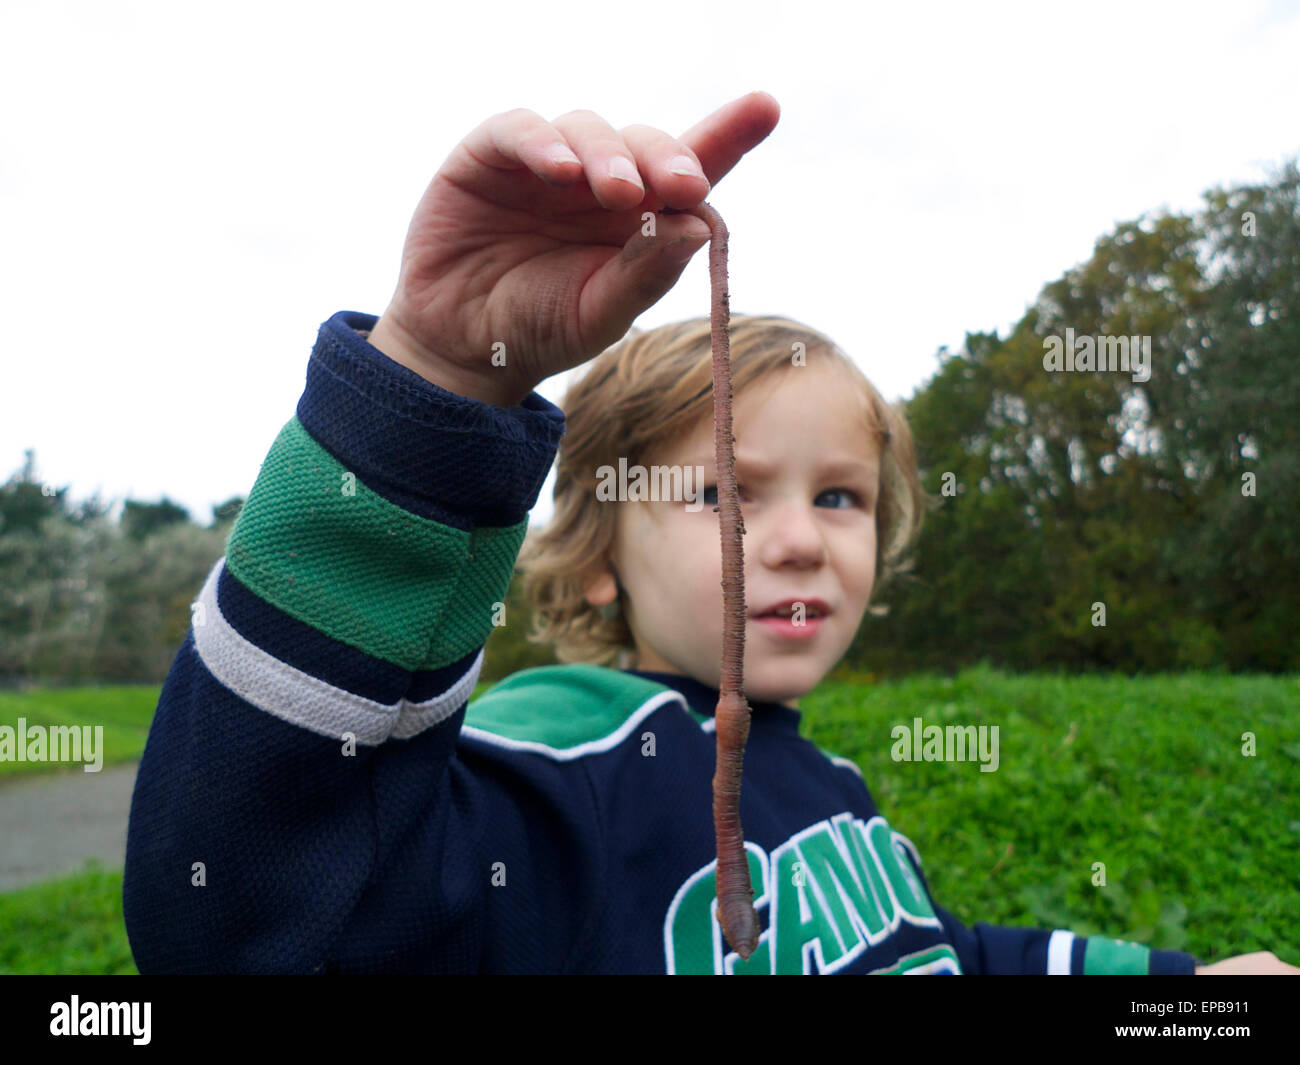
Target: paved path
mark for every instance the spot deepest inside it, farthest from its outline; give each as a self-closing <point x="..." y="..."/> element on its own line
<point x="51" y="823"/>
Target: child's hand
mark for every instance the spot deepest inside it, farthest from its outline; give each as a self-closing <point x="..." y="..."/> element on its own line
<point x="511" y="247"/>
<point x="1261" y="962"/>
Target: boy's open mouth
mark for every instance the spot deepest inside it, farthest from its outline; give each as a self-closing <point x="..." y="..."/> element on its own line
<point x="785" y="608"/>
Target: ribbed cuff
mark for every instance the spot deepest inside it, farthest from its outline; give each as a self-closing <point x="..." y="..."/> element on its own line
<point x="1172" y="963"/>
<point x="456" y="460"/>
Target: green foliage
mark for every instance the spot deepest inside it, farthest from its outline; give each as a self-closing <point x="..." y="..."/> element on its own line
<point x="226" y="513"/>
<point x="141" y="519"/>
<point x="25" y="502"/>
<point x="69" y="926"/>
<point x="148" y="589"/>
<point x="1145" y="775"/>
<point x="1056" y="491"/>
<point x="84" y="598"/>
<point x="124" y="713"/>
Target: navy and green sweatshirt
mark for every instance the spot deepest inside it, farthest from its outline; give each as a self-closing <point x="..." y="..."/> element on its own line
<point x="316" y="796"/>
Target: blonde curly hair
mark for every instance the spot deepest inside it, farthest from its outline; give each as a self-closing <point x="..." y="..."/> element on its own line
<point x="640" y="395"/>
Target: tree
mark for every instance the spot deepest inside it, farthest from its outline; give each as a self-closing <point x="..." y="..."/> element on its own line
<point x="1123" y="489"/>
<point x="25" y="501"/>
<point x="139" y="520"/>
<point x="225" y="514"/>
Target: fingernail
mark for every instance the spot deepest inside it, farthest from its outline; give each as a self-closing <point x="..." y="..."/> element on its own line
<point x="684" y="165"/>
<point x="622" y="168"/>
<point x="562" y="153"/>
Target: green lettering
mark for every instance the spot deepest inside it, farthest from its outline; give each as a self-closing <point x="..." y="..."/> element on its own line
<point x="854" y="835"/>
<point x="791" y="894"/>
<point x="690" y="925"/>
<point x="907" y="888"/>
<point x="1115" y="957"/>
<point x="831" y="869"/>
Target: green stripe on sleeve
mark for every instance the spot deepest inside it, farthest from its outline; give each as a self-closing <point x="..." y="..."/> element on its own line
<point x="318" y="544"/>
<point x="1115" y="957"/>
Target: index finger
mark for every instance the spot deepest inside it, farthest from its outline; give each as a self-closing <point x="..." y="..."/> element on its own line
<point x="721" y="140"/>
<point x="513" y="140"/>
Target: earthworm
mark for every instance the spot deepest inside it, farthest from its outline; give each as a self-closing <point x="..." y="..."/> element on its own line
<point x="731" y="717"/>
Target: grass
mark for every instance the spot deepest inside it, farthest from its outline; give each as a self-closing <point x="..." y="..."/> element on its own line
<point x="1200" y="843"/>
<point x="69" y="926"/>
<point x="124" y="712"/>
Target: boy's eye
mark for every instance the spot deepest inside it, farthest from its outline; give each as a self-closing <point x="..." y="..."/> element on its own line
<point x="711" y="494"/>
<point x="852" y="498"/>
<point x="849" y="497"/>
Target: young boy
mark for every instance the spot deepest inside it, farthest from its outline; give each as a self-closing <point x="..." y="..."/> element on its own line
<point x="315" y="797"/>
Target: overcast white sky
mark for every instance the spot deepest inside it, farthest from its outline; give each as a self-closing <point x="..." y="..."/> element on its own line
<point x="188" y="191"/>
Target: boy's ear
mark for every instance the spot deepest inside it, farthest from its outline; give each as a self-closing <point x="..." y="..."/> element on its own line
<point x="603" y="589"/>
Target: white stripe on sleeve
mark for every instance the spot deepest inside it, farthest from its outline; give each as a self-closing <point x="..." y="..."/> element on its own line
<point x="1059" y="949"/>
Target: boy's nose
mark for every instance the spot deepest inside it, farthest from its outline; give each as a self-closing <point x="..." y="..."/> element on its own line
<point x="788" y="534"/>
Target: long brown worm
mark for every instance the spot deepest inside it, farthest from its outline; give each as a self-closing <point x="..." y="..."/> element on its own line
<point x="731" y="717"/>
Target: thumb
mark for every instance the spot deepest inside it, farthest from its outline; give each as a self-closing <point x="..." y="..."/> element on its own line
<point x="647" y="267"/>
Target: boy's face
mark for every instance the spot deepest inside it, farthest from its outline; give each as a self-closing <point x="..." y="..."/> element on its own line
<point x="808" y="474"/>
